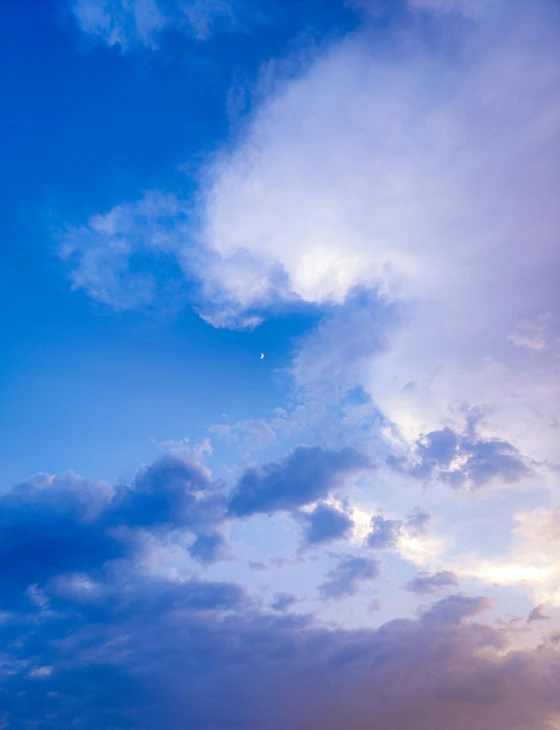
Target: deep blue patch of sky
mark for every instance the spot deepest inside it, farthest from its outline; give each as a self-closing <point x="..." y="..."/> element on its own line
<point x="85" y="127"/>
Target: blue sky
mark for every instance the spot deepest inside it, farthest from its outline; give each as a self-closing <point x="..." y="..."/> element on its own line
<point x="88" y="126"/>
<point x="194" y="535"/>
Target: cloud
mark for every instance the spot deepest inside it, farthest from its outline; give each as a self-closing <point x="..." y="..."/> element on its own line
<point x="283" y="601"/>
<point x="302" y="477"/>
<point x="172" y="509"/>
<point x="113" y="257"/>
<point x="131" y="23"/>
<point x="404" y="186"/>
<point x="463" y="459"/>
<point x="172" y="491"/>
<point x="209" y="659"/>
<point x="384" y="533"/>
<point x="98" y="641"/>
<point x="418" y="520"/>
<point x="325" y="524"/>
<point x="209" y="548"/>
<point x="531" y="335"/>
<point x="537" y="614"/>
<point x="425" y="584"/>
<point x="51" y="525"/>
<point x="56" y="525"/>
<point x="455" y="609"/>
<point x="369" y="207"/>
<point x="344" y="580"/>
<point x="380" y="191"/>
<point x="400" y="123"/>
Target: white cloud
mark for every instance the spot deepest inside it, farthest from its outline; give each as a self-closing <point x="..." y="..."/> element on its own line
<point x="126" y="23"/>
<point x="424" y="169"/>
<point x="397" y="170"/>
<point x="112" y="257"/>
<point x="531" y="334"/>
<point x="428" y="175"/>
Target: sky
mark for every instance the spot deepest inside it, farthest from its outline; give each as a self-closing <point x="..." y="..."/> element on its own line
<point x="280" y="365"/>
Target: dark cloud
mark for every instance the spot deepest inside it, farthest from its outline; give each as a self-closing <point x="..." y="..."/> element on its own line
<point x="191" y="595"/>
<point x="455" y="609"/>
<point x="50" y="526"/>
<point x="95" y="642"/>
<point x="384" y="533"/>
<point x="538" y="614"/>
<point x="171" y="491"/>
<point x="306" y="475"/>
<point x="437" y="448"/>
<point x="425" y="584"/>
<point x="198" y="655"/>
<point x="283" y="601"/>
<point x="325" y="524"/>
<point x="493" y="459"/>
<point x="209" y="548"/>
<point x="462" y="459"/>
<point x="344" y="580"/>
<point x="418" y="520"/>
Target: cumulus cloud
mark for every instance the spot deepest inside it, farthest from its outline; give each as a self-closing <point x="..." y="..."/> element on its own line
<point x="344" y="580"/>
<point x="463" y="459"/>
<point x="408" y="191"/>
<point x="378" y="174"/>
<point x="537" y="614"/>
<point x="382" y="190"/>
<point x="283" y="601"/>
<point x="325" y="524"/>
<point x="302" y="477"/>
<point x="455" y="609"/>
<point x="210" y="659"/>
<point x="89" y="617"/>
<point x="51" y="525"/>
<point x="418" y="520"/>
<point x="209" y="548"/>
<point x="417" y="169"/>
<point x="384" y="533"/>
<point x="171" y="491"/>
<point x="425" y="584"/>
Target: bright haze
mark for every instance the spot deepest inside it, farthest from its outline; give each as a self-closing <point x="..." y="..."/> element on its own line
<point x="280" y="374"/>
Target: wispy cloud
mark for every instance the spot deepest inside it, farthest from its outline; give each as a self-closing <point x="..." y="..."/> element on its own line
<point x="131" y="23"/>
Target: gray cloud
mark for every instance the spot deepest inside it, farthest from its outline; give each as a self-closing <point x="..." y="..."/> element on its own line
<point x="418" y="520"/>
<point x="454" y="609"/>
<point x="384" y="533"/>
<point x="325" y="524"/>
<point x="209" y="548"/>
<point x="538" y="614"/>
<point x="283" y="601"/>
<point x="345" y="578"/>
<point x="200" y="655"/>
<point x="94" y="642"/>
<point x="303" y="476"/>
<point x="425" y="584"/>
<point x="463" y="459"/>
